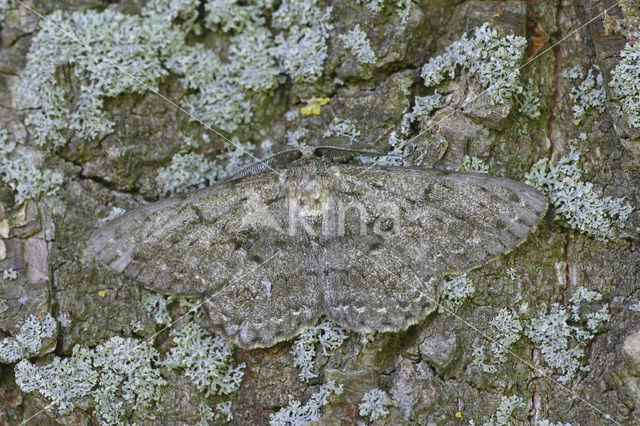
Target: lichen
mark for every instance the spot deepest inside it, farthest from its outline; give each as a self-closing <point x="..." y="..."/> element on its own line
<point x="529" y="101"/>
<point x="625" y="81"/>
<point x="5" y="6"/>
<point x="357" y="42"/>
<point x="553" y="336"/>
<point x="187" y="171"/>
<point x="117" y="377"/>
<point x="296" y="414"/>
<point x="329" y="335"/>
<point x="588" y="95"/>
<point x="474" y="165"/>
<point x="301" y="48"/>
<point x="454" y="293"/>
<point x="422" y="107"/>
<point x="9" y="274"/>
<point x="492" y="59"/>
<point x="191" y="170"/>
<point x="206" y="360"/>
<point x="314" y="106"/>
<point x="509" y="331"/>
<point x="345" y="128"/>
<point x="578" y="202"/>
<point x="18" y="171"/>
<point x="479" y="359"/>
<point x="148" y="42"/>
<point x="29" y="340"/>
<point x="504" y="413"/>
<point x="374" y="404"/>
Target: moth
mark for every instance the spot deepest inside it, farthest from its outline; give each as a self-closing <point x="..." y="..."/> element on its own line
<point x="299" y="236"/>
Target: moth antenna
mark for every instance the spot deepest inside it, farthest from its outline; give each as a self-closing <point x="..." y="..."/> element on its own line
<point x="275" y="161"/>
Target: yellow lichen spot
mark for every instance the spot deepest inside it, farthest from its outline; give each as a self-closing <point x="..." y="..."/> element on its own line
<point x="314" y="106"/>
<point x="458" y="414"/>
<point x="102" y="293"/>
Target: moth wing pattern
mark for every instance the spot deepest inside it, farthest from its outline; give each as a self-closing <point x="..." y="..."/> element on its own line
<point x="263" y="305"/>
<point x="438" y="223"/>
<point x="228" y="243"/>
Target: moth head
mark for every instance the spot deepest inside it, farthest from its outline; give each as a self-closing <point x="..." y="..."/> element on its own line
<point x="310" y="185"/>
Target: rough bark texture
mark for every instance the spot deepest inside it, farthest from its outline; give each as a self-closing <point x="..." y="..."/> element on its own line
<point x="427" y="369"/>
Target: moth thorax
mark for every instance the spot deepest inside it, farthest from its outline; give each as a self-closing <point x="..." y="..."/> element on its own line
<point x="310" y="188"/>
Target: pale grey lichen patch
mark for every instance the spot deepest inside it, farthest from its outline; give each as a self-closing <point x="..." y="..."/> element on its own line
<point x="5" y="6"/>
<point x="529" y="101"/>
<point x="342" y="128"/>
<point x="115" y="212"/>
<point x="422" y="107"/>
<point x="374" y="404"/>
<point x="504" y="413"/>
<point x="357" y="42"/>
<point x="562" y="344"/>
<point x="625" y="81"/>
<point x="297" y="414"/>
<point x="148" y="42"/>
<point x="187" y="171"/>
<point x="373" y="5"/>
<point x="578" y="202"/>
<point x="9" y="274"/>
<point x="509" y="331"/>
<point x="492" y="59"/>
<point x="474" y="165"/>
<point x="455" y="292"/>
<point x="67" y="383"/>
<point x="224" y="410"/>
<point x="30" y="339"/>
<point x="170" y="10"/>
<point x="295" y="138"/>
<point x="18" y="171"/>
<point x="206" y="359"/>
<point x="589" y="94"/>
<point x="328" y="334"/>
<point x="546" y="422"/>
<point x="228" y="15"/>
<point x="301" y="48"/>
<point x="403" y="8"/>
<point x="191" y="170"/>
<point x="117" y="377"/>
<point x="479" y="359"/>
<point x="156" y="306"/>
